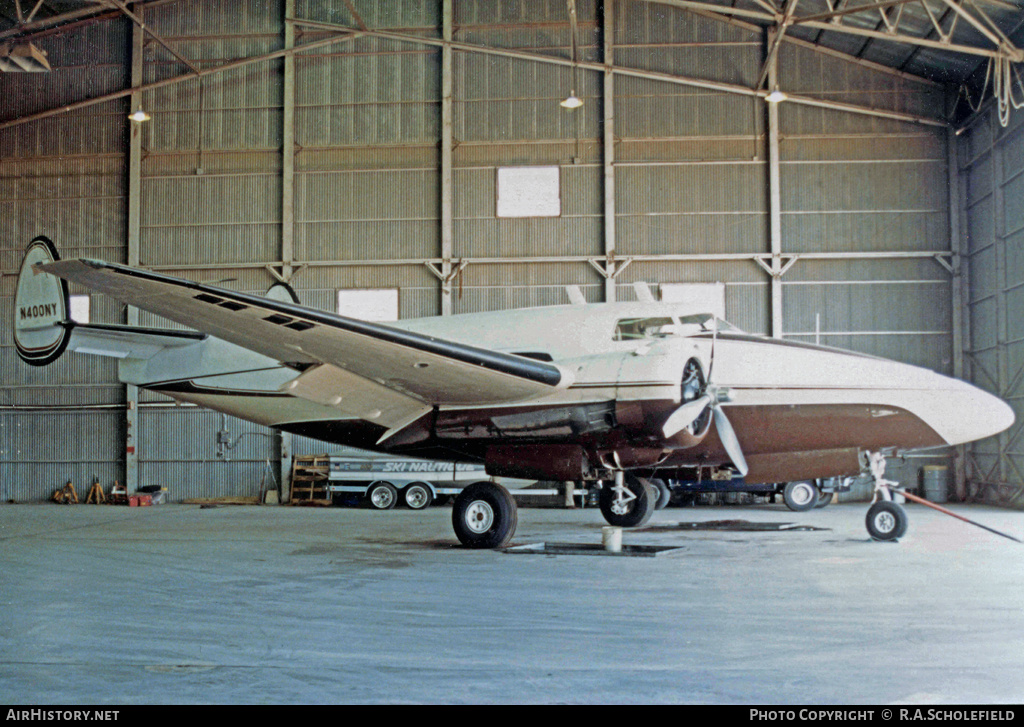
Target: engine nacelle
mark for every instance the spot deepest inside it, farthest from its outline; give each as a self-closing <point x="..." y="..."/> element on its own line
<point x="559" y="462"/>
<point x="661" y="377"/>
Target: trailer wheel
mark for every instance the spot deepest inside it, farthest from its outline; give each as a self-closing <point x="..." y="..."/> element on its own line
<point x="484" y="516"/>
<point x="800" y="495"/>
<point x="886" y="520"/>
<point x="417" y="496"/>
<point x="382" y="495"/>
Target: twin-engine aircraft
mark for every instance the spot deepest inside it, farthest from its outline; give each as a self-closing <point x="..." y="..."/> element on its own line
<point x="615" y="392"/>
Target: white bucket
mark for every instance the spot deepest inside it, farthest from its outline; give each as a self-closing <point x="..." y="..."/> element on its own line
<point x="611" y="539"/>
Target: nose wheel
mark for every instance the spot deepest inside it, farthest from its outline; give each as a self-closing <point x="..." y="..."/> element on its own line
<point x="886" y="519"/>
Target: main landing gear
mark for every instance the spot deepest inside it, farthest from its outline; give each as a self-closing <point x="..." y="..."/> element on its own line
<point x="629" y="502"/>
<point x="484" y="515"/>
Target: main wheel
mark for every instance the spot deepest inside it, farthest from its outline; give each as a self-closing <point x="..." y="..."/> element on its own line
<point x="484" y="516"/>
<point x="632" y="507"/>
<point x="801" y="495"/>
<point x="664" y="494"/>
<point x="886" y="520"/>
<point x="825" y="498"/>
<point x="382" y="495"/>
<point x="417" y="496"/>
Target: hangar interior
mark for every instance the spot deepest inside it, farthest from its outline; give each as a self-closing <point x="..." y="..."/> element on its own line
<point x="875" y="205"/>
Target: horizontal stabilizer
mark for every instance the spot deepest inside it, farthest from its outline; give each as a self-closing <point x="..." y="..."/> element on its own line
<point x="127" y="341"/>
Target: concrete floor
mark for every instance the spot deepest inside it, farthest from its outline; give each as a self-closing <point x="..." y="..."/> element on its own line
<point x="177" y="604"/>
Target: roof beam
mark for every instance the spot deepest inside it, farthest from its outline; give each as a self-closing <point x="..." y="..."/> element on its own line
<point x="849" y="11"/>
<point x="912" y="40"/>
<point x="718" y="86"/>
<point x="94" y="12"/>
<point x="201" y="73"/>
<point x="776" y="41"/>
<point x="347" y="33"/>
<point x="816" y="47"/>
<point x="33" y="12"/>
<point x="832" y="21"/>
<point x="142" y="26"/>
<point x="978" y="25"/>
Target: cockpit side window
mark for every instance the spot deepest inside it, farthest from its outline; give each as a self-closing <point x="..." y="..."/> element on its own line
<point x="691" y="325"/>
<point x="638" y="329"/>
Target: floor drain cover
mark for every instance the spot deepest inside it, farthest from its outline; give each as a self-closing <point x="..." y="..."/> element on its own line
<point x="734" y="526"/>
<point x="634" y="551"/>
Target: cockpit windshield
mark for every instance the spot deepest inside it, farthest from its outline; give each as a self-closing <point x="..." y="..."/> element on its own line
<point x="638" y="329"/>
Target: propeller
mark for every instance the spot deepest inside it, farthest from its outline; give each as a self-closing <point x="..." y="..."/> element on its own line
<point x="712" y="397"/>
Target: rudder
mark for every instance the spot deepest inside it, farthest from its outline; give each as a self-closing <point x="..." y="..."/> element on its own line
<point x="42" y="325"/>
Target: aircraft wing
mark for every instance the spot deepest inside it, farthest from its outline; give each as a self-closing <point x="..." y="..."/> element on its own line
<point x="406" y="371"/>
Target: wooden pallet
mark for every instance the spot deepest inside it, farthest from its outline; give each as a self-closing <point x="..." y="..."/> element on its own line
<point x="310" y="479"/>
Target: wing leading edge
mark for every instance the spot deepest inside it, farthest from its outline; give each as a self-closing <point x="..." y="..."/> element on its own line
<point x="425" y="369"/>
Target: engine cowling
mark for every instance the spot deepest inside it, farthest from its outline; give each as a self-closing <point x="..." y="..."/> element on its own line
<point x="693" y="386"/>
<point x="657" y="380"/>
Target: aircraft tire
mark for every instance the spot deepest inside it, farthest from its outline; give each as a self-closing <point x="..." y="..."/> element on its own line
<point x="639" y="510"/>
<point x="886" y="520"/>
<point x="484" y="515"/>
<point x="664" y="494"/>
<point x="825" y="499"/>
<point x="382" y="496"/>
<point x="801" y="495"/>
<point x="417" y="496"/>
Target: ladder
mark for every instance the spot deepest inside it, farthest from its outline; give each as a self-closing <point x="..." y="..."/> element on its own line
<point x="310" y="480"/>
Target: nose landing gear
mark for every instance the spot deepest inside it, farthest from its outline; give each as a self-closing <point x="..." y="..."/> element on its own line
<point x="886" y="519"/>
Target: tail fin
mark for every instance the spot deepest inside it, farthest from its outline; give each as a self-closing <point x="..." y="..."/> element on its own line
<point x="41" y="321"/>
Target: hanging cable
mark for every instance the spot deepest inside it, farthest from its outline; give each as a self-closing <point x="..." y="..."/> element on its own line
<point x="966" y="91"/>
<point x="1002" y="88"/>
<point x="1002" y="73"/>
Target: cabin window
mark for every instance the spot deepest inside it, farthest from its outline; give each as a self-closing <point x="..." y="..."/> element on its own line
<point x="637" y="329"/>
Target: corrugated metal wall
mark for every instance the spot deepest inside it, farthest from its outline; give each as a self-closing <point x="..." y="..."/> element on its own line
<point x="991" y="160"/>
<point x="64" y="178"/>
<point x="691" y="169"/>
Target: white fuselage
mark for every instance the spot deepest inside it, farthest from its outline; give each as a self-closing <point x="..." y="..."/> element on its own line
<point x="759" y="374"/>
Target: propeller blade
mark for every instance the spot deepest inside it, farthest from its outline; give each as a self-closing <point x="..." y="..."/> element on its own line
<point x="685" y="415"/>
<point x="711" y="357"/>
<point x="729" y="441"/>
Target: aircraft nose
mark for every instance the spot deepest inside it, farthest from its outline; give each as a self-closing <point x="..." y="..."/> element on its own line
<point x="978" y="414"/>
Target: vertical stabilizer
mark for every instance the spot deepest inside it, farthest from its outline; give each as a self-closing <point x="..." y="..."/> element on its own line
<point x="41" y="322"/>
